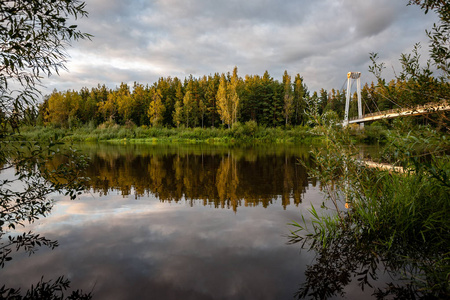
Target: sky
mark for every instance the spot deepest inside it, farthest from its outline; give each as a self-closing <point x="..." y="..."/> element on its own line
<point x="322" y="40"/>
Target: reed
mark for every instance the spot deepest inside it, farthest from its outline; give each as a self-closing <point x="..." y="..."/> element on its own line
<point x="397" y="216"/>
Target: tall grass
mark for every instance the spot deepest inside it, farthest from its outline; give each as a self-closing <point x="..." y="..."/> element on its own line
<point x="397" y="216"/>
<point x="248" y="133"/>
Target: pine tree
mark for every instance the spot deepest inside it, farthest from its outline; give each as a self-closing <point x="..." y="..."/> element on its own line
<point x="210" y="96"/>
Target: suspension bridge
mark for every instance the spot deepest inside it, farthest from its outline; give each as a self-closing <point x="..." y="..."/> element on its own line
<point x="387" y="114"/>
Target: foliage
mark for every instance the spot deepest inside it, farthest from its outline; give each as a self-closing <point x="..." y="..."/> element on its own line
<point x="288" y="97"/>
<point x="414" y="86"/>
<point x="34" y="172"/>
<point x="201" y="102"/>
<point x="417" y="84"/>
<point x="248" y="133"/>
<point x="399" y="218"/>
<point x="440" y="34"/>
<point x="156" y="109"/>
<point x="45" y="290"/>
<point x="33" y="38"/>
<point x="206" y="101"/>
<point x="228" y="99"/>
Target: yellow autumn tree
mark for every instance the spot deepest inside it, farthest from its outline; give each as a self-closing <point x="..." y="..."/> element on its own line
<point x="223" y="102"/>
<point x="288" y="98"/>
<point x="125" y="103"/>
<point x="63" y="106"/>
<point x="188" y="103"/>
<point x="233" y="95"/>
<point x="57" y="112"/>
<point x="156" y="108"/>
<point x="108" y="109"/>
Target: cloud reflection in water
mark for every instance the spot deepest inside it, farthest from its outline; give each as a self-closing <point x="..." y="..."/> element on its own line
<point x="128" y="249"/>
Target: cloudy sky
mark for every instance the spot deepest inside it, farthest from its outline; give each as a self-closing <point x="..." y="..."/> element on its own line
<point x="322" y="40"/>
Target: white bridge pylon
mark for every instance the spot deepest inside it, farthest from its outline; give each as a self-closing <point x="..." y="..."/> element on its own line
<point x="353" y="76"/>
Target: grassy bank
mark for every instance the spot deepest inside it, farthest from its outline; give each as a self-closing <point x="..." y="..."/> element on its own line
<point x="239" y="134"/>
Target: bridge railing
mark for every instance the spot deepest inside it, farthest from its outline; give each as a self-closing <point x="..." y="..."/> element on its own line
<point x="429" y="106"/>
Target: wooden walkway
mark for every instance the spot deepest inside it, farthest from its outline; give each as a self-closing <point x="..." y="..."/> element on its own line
<point x="399" y="112"/>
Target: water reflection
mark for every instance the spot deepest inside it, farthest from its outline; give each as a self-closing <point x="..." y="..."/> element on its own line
<point x="225" y="178"/>
<point x="173" y="243"/>
<point x="352" y="260"/>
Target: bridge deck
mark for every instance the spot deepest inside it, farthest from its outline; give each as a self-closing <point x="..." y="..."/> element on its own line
<point x="393" y="113"/>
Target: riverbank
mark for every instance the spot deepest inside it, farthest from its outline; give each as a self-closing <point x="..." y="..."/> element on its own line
<point x="248" y="133"/>
<point x="239" y="134"/>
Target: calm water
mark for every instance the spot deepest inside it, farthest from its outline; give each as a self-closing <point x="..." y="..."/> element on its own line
<point x="186" y="222"/>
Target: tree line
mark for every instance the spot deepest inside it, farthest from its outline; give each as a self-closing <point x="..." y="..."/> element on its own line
<point x="224" y="99"/>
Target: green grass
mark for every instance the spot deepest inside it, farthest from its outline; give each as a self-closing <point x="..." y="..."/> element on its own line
<point x="241" y="134"/>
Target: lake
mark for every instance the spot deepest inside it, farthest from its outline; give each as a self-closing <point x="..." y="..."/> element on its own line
<point x="179" y="222"/>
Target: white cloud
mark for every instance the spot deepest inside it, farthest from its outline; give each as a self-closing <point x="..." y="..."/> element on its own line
<point x="322" y="40"/>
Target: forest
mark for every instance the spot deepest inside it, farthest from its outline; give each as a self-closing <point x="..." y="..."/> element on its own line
<point x="221" y="100"/>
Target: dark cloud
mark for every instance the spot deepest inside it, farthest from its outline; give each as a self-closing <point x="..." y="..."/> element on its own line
<point x="321" y="40"/>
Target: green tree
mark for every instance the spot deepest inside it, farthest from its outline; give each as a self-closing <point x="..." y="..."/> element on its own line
<point x="251" y="107"/>
<point x="440" y="34"/>
<point x="166" y="86"/>
<point x="323" y="100"/>
<point x="88" y="107"/>
<point x="99" y="95"/>
<point x="192" y="106"/>
<point x="210" y="98"/>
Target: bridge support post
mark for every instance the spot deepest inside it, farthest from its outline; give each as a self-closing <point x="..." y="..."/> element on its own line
<point x="347" y="101"/>
<point x="357" y="76"/>
<point x="360" y="114"/>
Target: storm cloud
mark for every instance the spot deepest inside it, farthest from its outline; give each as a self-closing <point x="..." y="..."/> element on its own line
<point x="141" y="40"/>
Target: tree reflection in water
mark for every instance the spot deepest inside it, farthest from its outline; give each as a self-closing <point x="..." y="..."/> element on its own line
<point x="220" y="177"/>
<point x="349" y="256"/>
<point x="30" y="174"/>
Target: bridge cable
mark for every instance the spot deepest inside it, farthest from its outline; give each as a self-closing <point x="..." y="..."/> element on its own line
<point x="367" y="104"/>
<point x="343" y="85"/>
